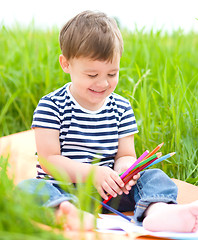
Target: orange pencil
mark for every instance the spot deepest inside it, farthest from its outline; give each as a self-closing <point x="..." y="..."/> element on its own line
<point x="154" y="150"/>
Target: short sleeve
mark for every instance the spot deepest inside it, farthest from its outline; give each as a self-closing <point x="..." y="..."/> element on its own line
<point x="127" y="125"/>
<point x="46" y="115"/>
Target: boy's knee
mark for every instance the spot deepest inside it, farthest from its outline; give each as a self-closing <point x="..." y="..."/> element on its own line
<point x="32" y="185"/>
<point x="159" y="177"/>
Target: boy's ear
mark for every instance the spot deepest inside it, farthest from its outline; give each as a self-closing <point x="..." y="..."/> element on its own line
<point x="64" y="63"/>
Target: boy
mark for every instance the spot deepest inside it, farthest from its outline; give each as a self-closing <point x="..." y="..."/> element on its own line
<point x="85" y="120"/>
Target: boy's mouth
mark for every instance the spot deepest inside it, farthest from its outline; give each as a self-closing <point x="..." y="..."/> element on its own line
<point x="95" y="91"/>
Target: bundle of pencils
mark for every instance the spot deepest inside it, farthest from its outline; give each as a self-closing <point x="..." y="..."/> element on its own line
<point x="144" y="161"/>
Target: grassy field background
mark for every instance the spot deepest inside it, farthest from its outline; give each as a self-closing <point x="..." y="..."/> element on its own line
<point x="159" y="75"/>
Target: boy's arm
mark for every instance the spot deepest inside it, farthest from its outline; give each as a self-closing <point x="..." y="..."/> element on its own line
<point x="125" y="157"/>
<point x="48" y="148"/>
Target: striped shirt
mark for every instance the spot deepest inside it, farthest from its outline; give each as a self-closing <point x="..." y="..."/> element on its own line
<point x="85" y="136"/>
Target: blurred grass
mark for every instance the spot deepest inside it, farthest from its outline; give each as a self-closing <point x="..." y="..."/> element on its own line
<point x="19" y="213"/>
<point x="159" y="75"/>
<point x="22" y="218"/>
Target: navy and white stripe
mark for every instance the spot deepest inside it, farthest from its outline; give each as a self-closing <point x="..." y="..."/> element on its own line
<point x="85" y="135"/>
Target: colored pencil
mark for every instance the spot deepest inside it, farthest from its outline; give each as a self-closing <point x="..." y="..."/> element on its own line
<point x="162" y="158"/>
<point x="149" y="164"/>
<point x="154" y="150"/>
<point x="113" y="210"/>
<point x="139" y="167"/>
<point x="142" y="157"/>
<point x="124" y="174"/>
<point x="142" y="167"/>
<point x="129" y="177"/>
<point x="134" y="164"/>
<point x="157" y="160"/>
<point x="156" y="155"/>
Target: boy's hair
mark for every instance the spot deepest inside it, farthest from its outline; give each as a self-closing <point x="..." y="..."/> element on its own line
<point x="91" y="34"/>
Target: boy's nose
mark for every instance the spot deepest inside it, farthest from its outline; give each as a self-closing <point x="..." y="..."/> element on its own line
<point x="102" y="83"/>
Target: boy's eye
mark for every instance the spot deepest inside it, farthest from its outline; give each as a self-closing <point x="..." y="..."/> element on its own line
<point x="112" y="75"/>
<point x="92" y="76"/>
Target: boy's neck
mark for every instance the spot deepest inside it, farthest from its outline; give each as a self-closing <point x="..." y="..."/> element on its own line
<point x="90" y="107"/>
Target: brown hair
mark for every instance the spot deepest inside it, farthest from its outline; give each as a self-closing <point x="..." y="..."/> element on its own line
<point x="91" y="34"/>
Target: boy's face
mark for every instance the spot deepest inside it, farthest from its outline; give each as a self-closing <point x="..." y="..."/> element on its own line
<point x="92" y="80"/>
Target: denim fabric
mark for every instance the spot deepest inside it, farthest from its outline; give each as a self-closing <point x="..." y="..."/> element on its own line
<point x="153" y="186"/>
<point x="46" y="193"/>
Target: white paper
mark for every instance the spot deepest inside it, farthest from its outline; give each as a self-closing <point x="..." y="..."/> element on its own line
<point x="115" y="222"/>
<point x="109" y="226"/>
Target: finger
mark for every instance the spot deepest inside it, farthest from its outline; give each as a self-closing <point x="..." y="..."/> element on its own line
<point x="117" y="179"/>
<point x="102" y="193"/>
<point x="113" y="185"/>
<point x="136" y="177"/>
<point x="125" y="190"/>
<point x="129" y="185"/>
<point x="108" y="188"/>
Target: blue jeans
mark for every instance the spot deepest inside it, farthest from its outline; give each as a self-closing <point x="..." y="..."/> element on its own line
<point x="45" y="193"/>
<point x="153" y="186"/>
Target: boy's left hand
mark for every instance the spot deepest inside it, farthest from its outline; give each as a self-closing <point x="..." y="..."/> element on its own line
<point x="121" y="165"/>
<point x="130" y="184"/>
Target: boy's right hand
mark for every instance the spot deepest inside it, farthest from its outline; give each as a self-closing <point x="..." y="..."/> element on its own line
<point x="108" y="181"/>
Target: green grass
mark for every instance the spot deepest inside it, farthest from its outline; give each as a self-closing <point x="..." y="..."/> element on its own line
<point x="159" y="75"/>
<point x="19" y="212"/>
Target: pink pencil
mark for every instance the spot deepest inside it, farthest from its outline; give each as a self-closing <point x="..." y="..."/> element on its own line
<point x="131" y="174"/>
<point x="129" y="170"/>
<point x="135" y="163"/>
